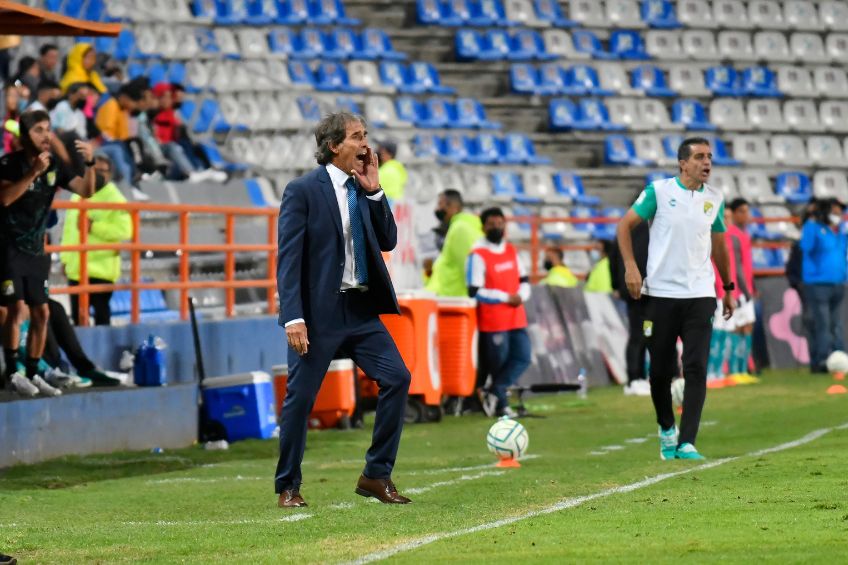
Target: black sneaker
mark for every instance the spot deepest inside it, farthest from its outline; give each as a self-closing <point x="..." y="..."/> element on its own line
<point x="7" y="560"/>
<point x="99" y="378"/>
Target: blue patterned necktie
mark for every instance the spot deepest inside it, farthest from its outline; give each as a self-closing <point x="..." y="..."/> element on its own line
<point x="357" y="234"/>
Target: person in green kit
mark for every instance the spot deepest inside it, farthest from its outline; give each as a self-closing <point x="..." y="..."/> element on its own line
<point x="600" y="277"/>
<point x="392" y="172"/>
<point x="558" y="273"/>
<point x="464" y="230"/>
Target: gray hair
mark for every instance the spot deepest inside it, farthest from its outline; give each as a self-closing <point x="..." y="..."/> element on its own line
<point x="331" y="130"/>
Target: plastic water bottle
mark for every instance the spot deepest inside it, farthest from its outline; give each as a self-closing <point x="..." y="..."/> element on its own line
<point x="584" y="386"/>
<point x="149" y="367"/>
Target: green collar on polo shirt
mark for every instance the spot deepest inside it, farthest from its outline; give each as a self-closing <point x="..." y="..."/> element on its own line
<point x="684" y="187"/>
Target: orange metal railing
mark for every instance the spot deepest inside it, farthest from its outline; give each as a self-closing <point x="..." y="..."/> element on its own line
<point x="182" y="248"/>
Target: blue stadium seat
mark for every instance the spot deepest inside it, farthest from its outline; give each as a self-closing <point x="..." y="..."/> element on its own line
<point x="105" y="45"/>
<point x="204" y="9"/>
<point x="486" y="13"/>
<point x="216" y="160"/>
<point x="552" y="79"/>
<point x="125" y="47"/>
<point x="583" y="80"/>
<point x="607" y="230"/>
<point x="496" y="44"/>
<point x="591" y="114"/>
<point x="563" y="115"/>
<point x="691" y="114"/>
<point x="628" y="44"/>
<point x="723" y="81"/>
<point x="326" y="12"/>
<point x="187" y="109"/>
<point x="455" y="148"/>
<point x="653" y="176"/>
<point x="594" y="115"/>
<point x="507" y="184"/>
<point x="469" y="113"/>
<point x="524" y="79"/>
<point x="96" y="11"/>
<point x="409" y="110"/>
<point x="423" y="77"/>
<point x="332" y="76"/>
<point x="570" y="185"/>
<point x="177" y="75"/>
<point x="584" y="213"/>
<point x="342" y="43"/>
<point x="619" y="150"/>
<point x="760" y="81"/>
<point x="156" y="73"/>
<point x="437" y="113"/>
<point x="375" y="44"/>
<point x="468" y="45"/>
<point x="528" y="44"/>
<point x="348" y="104"/>
<point x="300" y="73"/>
<point x="73" y="8"/>
<point x="426" y="145"/>
<point x="721" y="156"/>
<point x="53" y="5"/>
<point x="291" y="12"/>
<point x="764" y="258"/>
<point x="310" y="111"/>
<point x="209" y="116"/>
<point x="309" y="44"/>
<point x="670" y="143"/>
<point x="484" y="148"/>
<point x="794" y="186"/>
<point x="436" y="12"/>
<point x="206" y="40"/>
<point x="550" y="11"/>
<point x="229" y="12"/>
<point x="282" y="41"/>
<point x="761" y="230"/>
<point x="257" y="13"/>
<point x="518" y="148"/>
<point x="135" y="70"/>
<point x="659" y="14"/>
<point x="587" y="42"/>
<point x="651" y="80"/>
<point x="393" y="73"/>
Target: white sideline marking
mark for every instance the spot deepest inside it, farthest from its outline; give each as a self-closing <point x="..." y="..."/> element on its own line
<point x="598" y="452"/>
<point x="462" y="469"/>
<point x="461" y="479"/>
<point x="568" y="503"/>
<point x="637" y="440"/>
<point x="612" y="447"/>
<point x="164" y="523"/>
<point x="341" y="506"/>
<point x="176" y="480"/>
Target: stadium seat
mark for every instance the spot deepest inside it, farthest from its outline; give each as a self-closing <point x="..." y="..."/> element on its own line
<point x="830" y="184"/>
<point x="650" y="147"/>
<point x="468" y="45"/>
<point x="554" y="230"/>
<point x="593" y="112"/>
<point x="549" y="11"/>
<point x="772" y="46"/>
<point x="380" y="111"/>
<point x="259" y="12"/>
<point x="455" y="148"/>
<point x="584" y="213"/>
<point x="830" y="82"/>
<point x="558" y="42"/>
<point x="423" y="77"/>
<point x="230" y="12"/>
<point x="766" y="14"/>
<point x="329" y="12"/>
<point x="836" y="46"/>
<point x="801" y="15"/>
<point x="650" y="80"/>
<point x="210" y="119"/>
<point x="613" y="77"/>
<point x="409" y="110"/>
<point x="291" y="12"/>
<point x="664" y="44"/>
<point x="524" y="79"/>
<point x="521" y="13"/>
<point x="204" y="9"/>
<point x="282" y="41"/>
<point x="765" y="115"/>
<point x="751" y="150"/>
<point x="834" y="14"/>
<point x="700" y="44"/>
<point x="619" y="150"/>
<point x="654" y="176"/>
<point x="301" y="74"/>
<point x="756" y="186"/>
<point x="760" y="81"/>
<point x="825" y="151"/>
<point x="506" y="185"/>
<point x="688" y="81"/>
<point x="763" y="257"/>
<point x="332" y="76"/>
<point x="552" y="79"/>
<point x="729" y="114"/>
<point x="736" y="46"/>
<point x="528" y="44"/>
<point x="725" y="181"/>
<point x="309" y="44"/>
<point x="496" y="44"/>
<point x="426" y="145"/>
<point x="808" y="48"/>
<point x="801" y="115"/>
<point x="252" y="43"/>
<point x="469" y="113"/>
<point x="795" y="81"/>
<point x="439" y="112"/>
<point x="538" y="184"/>
<point x="730" y="14"/>
<point x="624" y="112"/>
<point x="721" y="156"/>
<point x="624" y="14"/>
<point x="213" y="155"/>
<point x="341" y="43"/>
<point x="789" y="150"/>
<point x="695" y="13"/>
<point x="606" y="230"/>
<point x="587" y="42"/>
<point x="376" y="44"/>
<point x="659" y="14"/>
<point x="227" y="44"/>
<point x="429" y="12"/>
<point x="486" y="13"/>
<point x="393" y="73"/>
<point x="834" y="116"/>
<point x="310" y="110"/>
<point x="570" y="185"/>
<point x="364" y="74"/>
<point x="655" y="113"/>
<point x="583" y="80"/>
<point x="691" y="114"/>
<point x="485" y="148"/>
<point x="793" y="186"/>
<point x="587" y="13"/>
<point x="627" y="44"/>
<point x="518" y="148"/>
<point x="589" y="115"/>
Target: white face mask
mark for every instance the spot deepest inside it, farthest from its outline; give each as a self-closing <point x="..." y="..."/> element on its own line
<point x="594" y="255"/>
<point x="834" y="219"/>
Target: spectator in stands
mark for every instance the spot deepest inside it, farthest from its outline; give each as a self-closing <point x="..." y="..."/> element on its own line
<point x="558" y="273"/>
<point x="464" y="229"/>
<point x="48" y="62"/>
<point x="14" y="104"/>
<point x="113" y="75"/>
<point x="69" y="121"/>
<point x="113" y="121"/>
<point x="192" y="151"/>
<point x="499" y="282"/>
<point x="392" y="172"/>
<point x="29" y="73"/>
<point x="28" y="183"/>
<point x="105" y="226"/>
<point x="600" y="277"/>
<point x="824" y="245"/>
<point x="47" y="96"/>
<point x="80" y="68"/>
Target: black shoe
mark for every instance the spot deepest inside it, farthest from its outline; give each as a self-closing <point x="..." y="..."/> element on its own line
<point x="99" y="378"/>
<point x="7" y="560"/>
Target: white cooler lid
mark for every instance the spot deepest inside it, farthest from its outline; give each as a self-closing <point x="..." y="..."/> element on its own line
<point x="456" y="301"/>
<point x="335" y="365"/>
<point x="240" y="379"/>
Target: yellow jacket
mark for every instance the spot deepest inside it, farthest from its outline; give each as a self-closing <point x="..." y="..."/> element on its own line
<point x="393" y="179"/>
<point x="106" y="226"/>
<point x="76" y="72"/>
<point x="560" y="276"/>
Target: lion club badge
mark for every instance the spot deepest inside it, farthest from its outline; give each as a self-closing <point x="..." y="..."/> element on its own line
<point x="708" y="208"/>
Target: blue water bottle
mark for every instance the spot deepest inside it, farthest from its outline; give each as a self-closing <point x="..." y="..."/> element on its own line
<point x="149" y="368"/>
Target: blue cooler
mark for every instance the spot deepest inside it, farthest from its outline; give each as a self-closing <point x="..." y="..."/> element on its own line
<point x="243" y="404"/>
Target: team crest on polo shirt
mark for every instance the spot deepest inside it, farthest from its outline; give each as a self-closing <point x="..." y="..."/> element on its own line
<point x="8" y="288"/>
<point x="51" y="178"/>
<point x="647" y="328"/>
<point x="708" y="208"/>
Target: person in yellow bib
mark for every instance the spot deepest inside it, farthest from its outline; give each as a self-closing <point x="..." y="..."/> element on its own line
<point x="558" y="273"/>
<point x="105" y="226"/>
<point x="600" y="277"/>
<point x="464" y="230"/>
<point x="392" y="172"/>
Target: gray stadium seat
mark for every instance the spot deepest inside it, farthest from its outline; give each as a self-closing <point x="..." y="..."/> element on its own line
<point x="772" y="46"/>
<point x="146" y="40"/>
<point x="801" y="14"/>
<point x="452" y="178"/>
<point x="168" y="42"/>
<point x="577" y="261"/>
<point x="187" y="46"/>
<point x="522" y="11"/>
<point x="795" y="81"/>
<point x="664" y="44"/>
<point x="834" y="14"/>
<point x="538" y="183"/>
<point x="478" y="184"/>
<point x="588" y="13"/>
<point x="695" y="13"/>
<point x="729" y="114"/>
<point x="831" y="82"/>
<point x="623" y="111"/>
<point x="252" y="43"/>
<point x="381" y="110"/>
<point x="836" y="46"/>
<point x="555" y="229"/>
<point x="649" y="146"/>
<point x="614" y="77"/>
<point x="787" y="229"/>
<point x="516" y="231"/>
<point x="270" y="110"/>
<point x="291" y="117"/>
<point x="834" y="115"/>
<point x="279" y="148"/>
<point x="279" y="73"/>
<point x="198" y="74"/>
<point x="228" y="76"/>
<point x="249" y="150"/>
<point x="766" y="14"/>
<point x="808" y="48"/>
<point x="160" y="191"/>
<point x="825" y="151"/>
<point x="364" y="74"/>
<point x="303" y="155"/>
<point x="654" y="112"/>
<point x="688" y="81"/>
<point x="730" y="14"/>
<point x="736" y="46"/>
<point x="700" y="44"/>
<point x="724" y="180"/>
<point x="830" y="184"/>
<point x="260" y="77"/>
<point x="789" y="150"/>
<point x="558" y="42"/>
<point x="226" y="41"/>
<point x="765" y="115"/>
<point x="624" y="13"/>
<point x="801" y="115"/>
<point x="755" y="185"/>
<point x="168" y="10"/>
<point x="751" y="150"/>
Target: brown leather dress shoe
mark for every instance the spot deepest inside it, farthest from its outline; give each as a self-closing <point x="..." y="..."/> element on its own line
<point x="382" y="489"/>
<point x="291" y="499"/>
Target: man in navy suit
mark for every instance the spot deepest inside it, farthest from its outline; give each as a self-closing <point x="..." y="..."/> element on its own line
<point x="333" y="285"/>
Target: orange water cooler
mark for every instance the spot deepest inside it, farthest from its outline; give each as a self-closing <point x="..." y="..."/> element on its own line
<point x="458" y="340"/>
<point x="336" y="398"/>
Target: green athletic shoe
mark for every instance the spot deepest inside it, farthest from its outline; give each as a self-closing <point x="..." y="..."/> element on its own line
<point x="687" y="451"/>
<point x="668" y="443"/>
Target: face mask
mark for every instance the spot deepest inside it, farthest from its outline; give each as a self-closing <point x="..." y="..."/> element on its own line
<point x="79" y="104"/>
<point x="834" y="219"/>
<point x="495" y="235"/>
<point x="548" y="264"/>
<point x="99" y="181"/>
<point x="594" y="255"/>
<point x="52" y="103"/>
<point x="135" y="113"/>
<point x="440" y="215"/>
<point x="176" y="105"/>
<point x="22" y="104"/>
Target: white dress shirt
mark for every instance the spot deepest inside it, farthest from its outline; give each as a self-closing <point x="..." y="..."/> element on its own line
<point x="338" y="177"/>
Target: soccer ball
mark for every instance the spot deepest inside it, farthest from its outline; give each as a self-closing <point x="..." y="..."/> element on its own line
<point x="677" y="386"/>
<point x="837" y="362"/>
<point x="507" y="439"/>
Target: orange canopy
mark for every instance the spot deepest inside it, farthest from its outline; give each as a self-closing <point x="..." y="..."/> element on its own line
<point x="18" y="19"/>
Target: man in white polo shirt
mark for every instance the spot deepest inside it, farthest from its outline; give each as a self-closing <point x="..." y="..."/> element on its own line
<point x="687" y="230"/>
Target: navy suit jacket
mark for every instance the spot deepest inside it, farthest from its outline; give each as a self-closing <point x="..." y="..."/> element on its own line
<point x="310" y="250"/>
